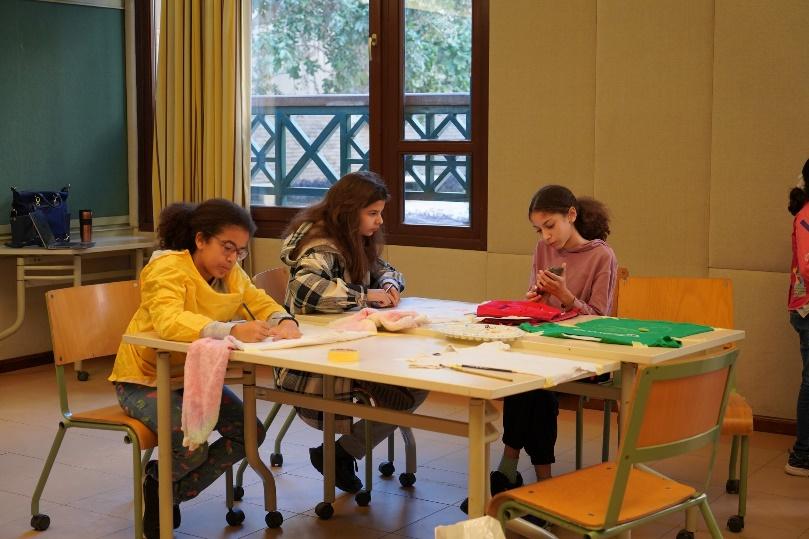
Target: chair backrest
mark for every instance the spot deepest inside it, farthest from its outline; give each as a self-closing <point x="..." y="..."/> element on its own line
<point x="706" y="301"/>
<point x="273" y="281"/>
<point x="88" y="321"/>
<point x="623" y="275"/>
<point x="676" y="408"/>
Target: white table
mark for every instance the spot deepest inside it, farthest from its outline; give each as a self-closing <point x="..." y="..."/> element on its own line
<point x="38" y="266"/>
<point x="378" y="363"/>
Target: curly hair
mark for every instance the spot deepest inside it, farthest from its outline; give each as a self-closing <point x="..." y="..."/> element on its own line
<point x="180" y="222"/>
<point x="798" y="196"/>
<point x="592" y="217"/>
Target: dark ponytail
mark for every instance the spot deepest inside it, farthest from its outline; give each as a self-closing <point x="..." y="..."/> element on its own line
<point x="798" y="196"/>
<point x="592" y="216"/>
<point x="180" y="222"/>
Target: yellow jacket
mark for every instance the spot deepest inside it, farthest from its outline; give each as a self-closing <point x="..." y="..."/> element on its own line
<point x="176" y="302"/>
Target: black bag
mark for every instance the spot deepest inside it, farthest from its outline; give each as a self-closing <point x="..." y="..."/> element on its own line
<point x="52" y="204"/>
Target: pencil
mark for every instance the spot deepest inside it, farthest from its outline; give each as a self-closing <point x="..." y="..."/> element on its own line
<point x="487" y="375"/>
<point x="246" y="308"/>
<point x="486" y="368"/>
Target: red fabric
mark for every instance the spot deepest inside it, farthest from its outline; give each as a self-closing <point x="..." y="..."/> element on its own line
<point x="540" y="312"/>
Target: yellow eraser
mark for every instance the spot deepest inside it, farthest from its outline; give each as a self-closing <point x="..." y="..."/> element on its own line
<point x="343" y="354"/>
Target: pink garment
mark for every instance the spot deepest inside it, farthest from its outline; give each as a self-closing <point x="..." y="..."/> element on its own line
<point x="591" y="274"/>
<point x="369" y="319"/>
<point x="204" y="376"/>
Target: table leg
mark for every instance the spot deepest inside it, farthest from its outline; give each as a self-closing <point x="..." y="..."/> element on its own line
<point x="164" y="468"/>
<point x="478" y="458"/>
<point x="628" y="372"/>
<point x="328" y="443"/>
<point x="138" y="262"/>
<point x="20" y="300"/>
<point x="251" y="448"/>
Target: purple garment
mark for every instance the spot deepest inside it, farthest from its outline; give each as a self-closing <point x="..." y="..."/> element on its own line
<point x="590" y="274"/>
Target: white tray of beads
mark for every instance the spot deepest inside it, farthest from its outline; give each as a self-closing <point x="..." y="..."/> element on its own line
<point x="480" y="332"/>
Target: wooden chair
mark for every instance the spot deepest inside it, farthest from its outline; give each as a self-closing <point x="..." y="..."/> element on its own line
<point x="610" y="394"/>
<point x="701" y="301"/>
<point x="87" y="322"/>
<point x="676" y="408"/>
<point x="274" y="281"/>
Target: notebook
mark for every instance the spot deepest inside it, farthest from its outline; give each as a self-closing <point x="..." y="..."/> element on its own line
<point x="45" y="234"/>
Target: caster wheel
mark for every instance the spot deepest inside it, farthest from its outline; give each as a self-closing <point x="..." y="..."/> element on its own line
<point x="736" y="523"/>
<point x="324" y="510"/>
<point x="40" y="522"/>
<point x="387" y="469"/>
<point x="238" y="493"/>
<point x="274" y="519"/>
<point x="276" y="460"/>
<point x="363" y="498"/>
<point x="732" y="486"/>
<point x="407" y="479"/>
<point x="235" y="517"/>
<point x="82" y="376"/>
<point x="685" y="534"/>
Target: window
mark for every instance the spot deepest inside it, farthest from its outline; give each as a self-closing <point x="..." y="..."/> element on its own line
<point x="395" y="86"/>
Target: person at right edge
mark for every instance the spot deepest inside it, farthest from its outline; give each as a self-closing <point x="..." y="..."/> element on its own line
<point x="798" y="305"/>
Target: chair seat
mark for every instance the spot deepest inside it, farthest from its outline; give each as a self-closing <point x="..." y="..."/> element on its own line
<point x="738" y="416"/>
<point x="582" y="496"/>
<point x="114" y="415"/>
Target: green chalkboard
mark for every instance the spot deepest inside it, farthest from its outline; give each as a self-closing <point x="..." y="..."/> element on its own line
<point x="63" y="104"/>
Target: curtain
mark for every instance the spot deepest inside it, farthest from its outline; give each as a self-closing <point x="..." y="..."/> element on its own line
<point x="202" y="108"/>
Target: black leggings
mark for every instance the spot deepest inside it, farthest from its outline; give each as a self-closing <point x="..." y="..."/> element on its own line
<point x="529" y="421"/>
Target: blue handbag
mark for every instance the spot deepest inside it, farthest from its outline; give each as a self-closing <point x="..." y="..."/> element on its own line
<point x="53" y="204"/>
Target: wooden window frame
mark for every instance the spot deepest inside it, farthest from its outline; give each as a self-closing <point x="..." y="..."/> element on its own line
<point x="386" y="140"/>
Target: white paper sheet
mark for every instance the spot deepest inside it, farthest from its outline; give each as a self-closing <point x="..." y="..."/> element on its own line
<point x="438" y="311"/>
<point x="312" y="335"/>
<point x="497" y="355"/>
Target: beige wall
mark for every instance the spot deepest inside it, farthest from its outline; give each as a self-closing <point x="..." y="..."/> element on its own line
<point x="690" y="119"/>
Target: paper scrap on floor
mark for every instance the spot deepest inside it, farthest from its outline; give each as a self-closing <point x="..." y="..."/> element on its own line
<point x="554" y="369"/>
<point x="311" y="335"/>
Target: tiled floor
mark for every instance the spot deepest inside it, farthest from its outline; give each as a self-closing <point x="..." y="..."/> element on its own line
<point x="89" y="492"/>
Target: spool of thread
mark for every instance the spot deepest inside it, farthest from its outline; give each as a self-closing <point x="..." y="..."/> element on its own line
<point x="343" y="355"/>
<point x="86" y="225"/>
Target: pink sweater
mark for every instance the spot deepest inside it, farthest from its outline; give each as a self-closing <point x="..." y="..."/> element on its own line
<point x="590" y="275"/>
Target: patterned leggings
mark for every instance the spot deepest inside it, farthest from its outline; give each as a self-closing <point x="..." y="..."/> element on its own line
<point x="192" y="471"/>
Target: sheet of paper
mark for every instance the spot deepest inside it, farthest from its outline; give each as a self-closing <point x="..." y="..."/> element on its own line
<point x="439" y="311"/>
<point x="497" y="355"/>
<point x="312" y="335"/>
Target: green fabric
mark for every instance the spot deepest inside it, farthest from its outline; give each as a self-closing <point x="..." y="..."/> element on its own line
<point x="623" y="331"/>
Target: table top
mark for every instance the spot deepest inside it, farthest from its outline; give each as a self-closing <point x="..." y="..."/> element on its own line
<point x="448" y="311"/>
<point x="102" y="244"/>
<point x="383" y="359"/>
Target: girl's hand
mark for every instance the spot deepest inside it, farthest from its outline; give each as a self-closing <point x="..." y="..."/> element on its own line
<point x="287" y="329"/>
<point x="555" y="285"/>
<point x="379" y="298"/>
<point x="393" y="292"/>
<point x="253" y="331"/>
<point x="533" y="294"/>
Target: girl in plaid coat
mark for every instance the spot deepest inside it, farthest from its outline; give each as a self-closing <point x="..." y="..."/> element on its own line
<point x="333" y="251"/>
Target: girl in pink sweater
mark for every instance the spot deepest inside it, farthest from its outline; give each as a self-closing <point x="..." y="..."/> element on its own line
<point x="573" y="268"/>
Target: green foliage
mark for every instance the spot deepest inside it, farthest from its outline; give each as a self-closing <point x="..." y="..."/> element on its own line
<point x="320" y="47"/>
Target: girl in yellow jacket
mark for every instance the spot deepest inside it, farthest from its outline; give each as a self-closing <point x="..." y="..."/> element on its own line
<point x="195" y="288"/>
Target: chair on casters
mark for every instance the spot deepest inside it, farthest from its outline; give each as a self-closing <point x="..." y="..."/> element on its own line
<point x="610" y="393"/>
<point x="87" y="322"/>
<point x="676" y="409"/>
<point x="706" y="301"/>
<point x="274" y="281"/>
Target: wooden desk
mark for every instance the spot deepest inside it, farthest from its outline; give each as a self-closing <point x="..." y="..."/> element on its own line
<point x="378" y="363"/>
<point x="34" y="270"/>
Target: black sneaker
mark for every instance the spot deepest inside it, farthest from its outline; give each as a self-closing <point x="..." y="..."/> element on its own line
<point x="797" y="465"/>
<point x="345" y="465"/>
<point x="498" y="482"/>
<point x="151" y="505"/>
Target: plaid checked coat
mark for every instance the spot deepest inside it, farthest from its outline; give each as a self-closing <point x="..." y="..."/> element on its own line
<point x="318" y="283"/>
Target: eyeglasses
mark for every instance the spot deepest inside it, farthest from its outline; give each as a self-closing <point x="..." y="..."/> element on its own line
<point x="231" y="248"/>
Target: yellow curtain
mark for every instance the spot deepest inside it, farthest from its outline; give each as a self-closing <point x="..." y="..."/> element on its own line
<point x="202" y="112"/>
